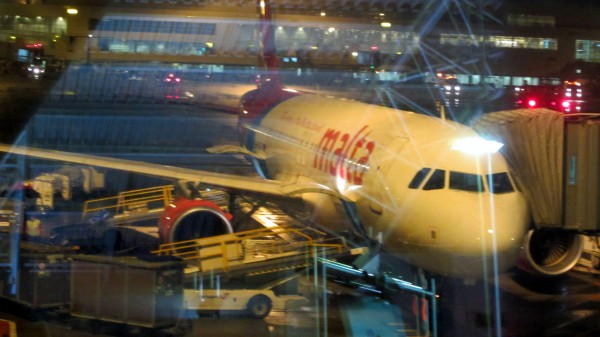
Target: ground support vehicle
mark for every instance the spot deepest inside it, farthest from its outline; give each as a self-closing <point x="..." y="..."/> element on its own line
<point x="263" y="258"/>
<point x="256" y="303"/>
<point x="251" y="252"/>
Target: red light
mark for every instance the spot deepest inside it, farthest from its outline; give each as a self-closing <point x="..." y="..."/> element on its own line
<point x="171" y="78"/>
<point x="566" y="104"/>
<point x="531" y="103"/>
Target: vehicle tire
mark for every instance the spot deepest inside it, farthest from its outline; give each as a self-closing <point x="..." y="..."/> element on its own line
<point x="259" y="306"/>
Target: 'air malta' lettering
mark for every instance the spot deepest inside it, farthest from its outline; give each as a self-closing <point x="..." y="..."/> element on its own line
<point x="344" y="155"/>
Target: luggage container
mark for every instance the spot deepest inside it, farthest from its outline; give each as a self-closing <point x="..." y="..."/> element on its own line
<point x="127" y="290"/>
<point x="42" y="280"/>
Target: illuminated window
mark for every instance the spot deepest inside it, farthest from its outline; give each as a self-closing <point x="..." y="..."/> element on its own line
<point x="500" y="41"/>
<point x="166" y="27"/>
<point x="531" y="20"/>
<point x="587" y="50"/>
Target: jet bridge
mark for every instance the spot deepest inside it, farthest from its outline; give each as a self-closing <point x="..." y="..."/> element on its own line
<point x="555" y="162"/>
<point x="555" y="158"/>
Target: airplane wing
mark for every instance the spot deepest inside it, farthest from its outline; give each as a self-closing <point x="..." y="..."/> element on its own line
<point x="230" y="182"/>
<point x="234" y="149"/>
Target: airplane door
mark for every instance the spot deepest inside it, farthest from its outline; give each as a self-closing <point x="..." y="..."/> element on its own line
<point x="381" y="175"/>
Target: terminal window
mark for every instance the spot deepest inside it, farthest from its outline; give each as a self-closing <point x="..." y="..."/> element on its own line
<point x="587" y="50"/>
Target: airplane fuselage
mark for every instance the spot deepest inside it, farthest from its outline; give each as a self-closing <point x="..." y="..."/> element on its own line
<point x="433" y="205"/>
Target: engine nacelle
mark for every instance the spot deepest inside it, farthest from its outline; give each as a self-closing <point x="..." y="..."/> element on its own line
<point x="187" y="219"/>
<point x="551" y="252"/>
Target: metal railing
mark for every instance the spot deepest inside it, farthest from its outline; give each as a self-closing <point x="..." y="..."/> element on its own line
<point x="135" y="201"/>
<point x="250" y="246"/>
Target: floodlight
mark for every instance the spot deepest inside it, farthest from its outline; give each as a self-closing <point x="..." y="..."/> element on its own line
<point x="476" y="145"/>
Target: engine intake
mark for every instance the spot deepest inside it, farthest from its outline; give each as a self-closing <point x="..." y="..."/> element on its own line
<point x="551" y="252"/>
<point x="187" y="219"/>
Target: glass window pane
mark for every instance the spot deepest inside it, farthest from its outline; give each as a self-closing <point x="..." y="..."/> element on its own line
<point x="419" y="177"/>
<point x="466" y="182"/>
<point x="500" y="183"/>
<point x="436" y="182"/>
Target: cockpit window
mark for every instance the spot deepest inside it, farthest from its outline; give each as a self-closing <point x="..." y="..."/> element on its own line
<point x="436" y="181"/>
<point x="466" y="182"/>
<point x="419" y="177"/>
<point x="497" y="183"/>
<point x="500" y="183"/>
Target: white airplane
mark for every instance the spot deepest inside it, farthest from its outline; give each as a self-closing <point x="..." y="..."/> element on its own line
<point x="430" y="191"/>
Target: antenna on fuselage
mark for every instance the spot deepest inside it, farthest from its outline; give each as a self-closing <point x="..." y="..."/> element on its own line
<point x="267" y="53"/>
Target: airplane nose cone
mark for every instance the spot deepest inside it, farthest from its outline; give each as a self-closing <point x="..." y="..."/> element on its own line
<point x="490" y="242"/>
<point x="500" y="235"/>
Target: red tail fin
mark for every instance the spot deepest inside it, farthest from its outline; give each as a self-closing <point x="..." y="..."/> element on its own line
<point x="267" y="54"/>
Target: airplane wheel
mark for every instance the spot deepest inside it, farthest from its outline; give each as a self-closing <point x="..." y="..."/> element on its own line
<point x="259" y="306"/>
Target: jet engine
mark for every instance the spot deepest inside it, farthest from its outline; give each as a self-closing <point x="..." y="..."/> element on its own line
<point x="551" y="252"/>
<point x="187" y="219"/>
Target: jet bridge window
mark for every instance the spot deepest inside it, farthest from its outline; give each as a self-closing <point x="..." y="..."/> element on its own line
<point x="500" y="183"/>
<point x="419" y="177"/>
<point x="466" y="182"/>
<point x="436" y="181"/>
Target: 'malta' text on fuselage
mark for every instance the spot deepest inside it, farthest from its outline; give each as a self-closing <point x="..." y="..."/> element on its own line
<point x="344" y="155"/>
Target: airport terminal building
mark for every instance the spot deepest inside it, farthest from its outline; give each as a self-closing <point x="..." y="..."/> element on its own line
<point x="496" y="42"/>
